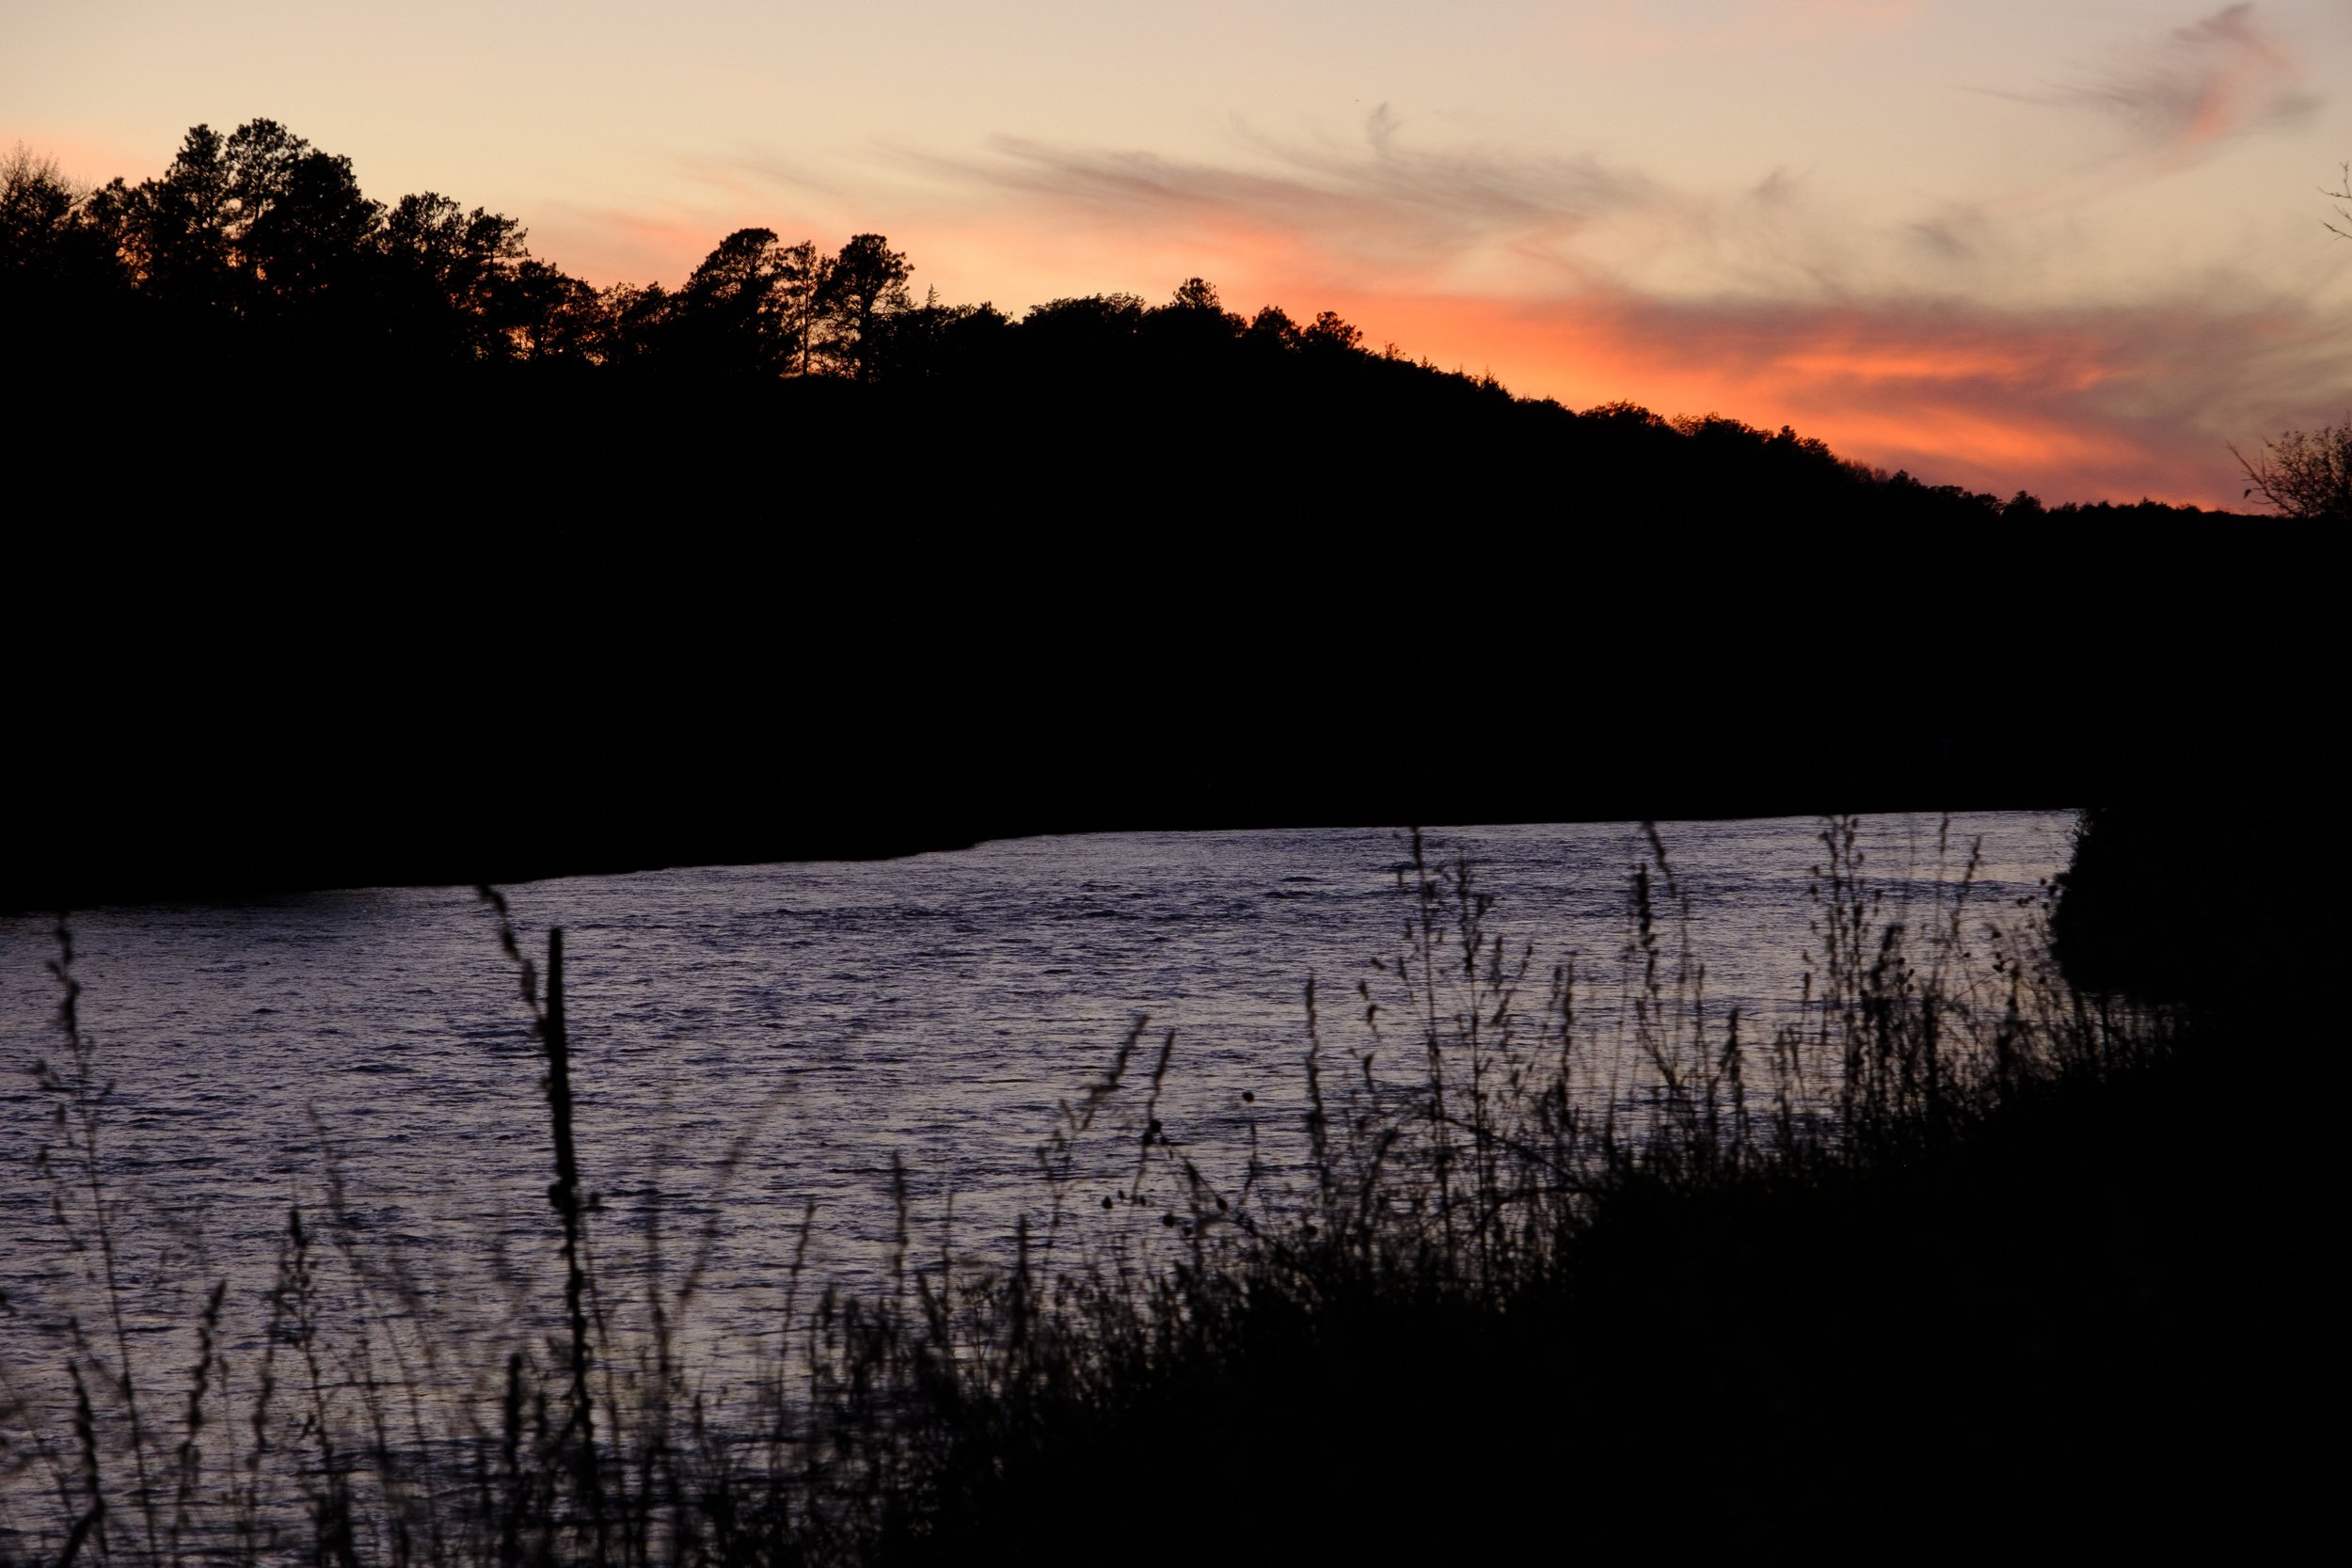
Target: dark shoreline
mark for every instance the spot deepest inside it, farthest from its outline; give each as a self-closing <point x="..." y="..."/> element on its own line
<point x="256" y="834"/>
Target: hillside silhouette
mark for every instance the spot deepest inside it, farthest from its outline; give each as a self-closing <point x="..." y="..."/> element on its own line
<point x="354" y="544"/>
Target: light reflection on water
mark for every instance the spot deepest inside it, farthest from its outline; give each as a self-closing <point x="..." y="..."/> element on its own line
<point x="821" y="1018"/>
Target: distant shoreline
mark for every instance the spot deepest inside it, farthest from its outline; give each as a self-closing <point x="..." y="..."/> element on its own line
<point x="259" y="837"/>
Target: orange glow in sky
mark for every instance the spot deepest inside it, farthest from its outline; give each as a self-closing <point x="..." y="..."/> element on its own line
<point x="2063" y="245"/>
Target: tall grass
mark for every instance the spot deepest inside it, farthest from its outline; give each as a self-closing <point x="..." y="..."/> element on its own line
<point x="1477" y="1127"/>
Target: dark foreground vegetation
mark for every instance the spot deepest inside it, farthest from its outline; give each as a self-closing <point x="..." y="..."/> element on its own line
<point x="338" y="527"/>
<point x="1960" y="1261"/>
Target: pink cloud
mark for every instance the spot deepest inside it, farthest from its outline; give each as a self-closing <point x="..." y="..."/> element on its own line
<point x="2198" y="86"/>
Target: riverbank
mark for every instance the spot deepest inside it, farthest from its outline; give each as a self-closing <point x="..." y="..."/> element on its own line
<point x="2092" y="1321"/>
<point x="1960" y="1259"/>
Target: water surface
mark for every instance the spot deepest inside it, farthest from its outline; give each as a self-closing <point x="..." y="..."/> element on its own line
<point x="753" y="1038"/>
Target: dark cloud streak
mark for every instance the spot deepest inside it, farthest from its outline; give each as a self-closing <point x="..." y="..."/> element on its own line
<point x="2218" y="78"/>
<point x="1418" y="205"/>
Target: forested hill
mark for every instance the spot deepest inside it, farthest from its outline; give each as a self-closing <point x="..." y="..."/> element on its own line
<point x="352" y="544"/>
<point x="252" y="292"/>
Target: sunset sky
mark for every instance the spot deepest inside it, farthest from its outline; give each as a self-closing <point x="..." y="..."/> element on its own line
<point x="2072" y="246"/>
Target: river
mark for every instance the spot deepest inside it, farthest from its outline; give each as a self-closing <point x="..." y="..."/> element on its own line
<point x="750" y="1039"/>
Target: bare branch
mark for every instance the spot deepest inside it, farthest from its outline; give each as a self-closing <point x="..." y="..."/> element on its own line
<point x="2304" y="473"/>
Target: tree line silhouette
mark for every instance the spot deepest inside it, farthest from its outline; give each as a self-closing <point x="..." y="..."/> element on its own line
<point x="255" y="261"/>
<point x="257" y="253"/>
<point x="415" y="541"/>
<point x="257" y="246"/>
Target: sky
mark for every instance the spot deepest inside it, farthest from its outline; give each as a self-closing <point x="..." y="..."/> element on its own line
<point x="2075" y="246"/>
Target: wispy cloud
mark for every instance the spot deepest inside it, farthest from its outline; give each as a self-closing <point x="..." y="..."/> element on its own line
<point x="1382" y="207"/>
<point x="1379" y="197"/>
<point x="2180" y="96"/>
